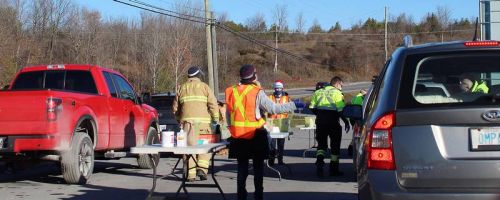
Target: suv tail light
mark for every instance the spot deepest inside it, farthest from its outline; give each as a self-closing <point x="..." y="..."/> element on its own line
<point x="380" y="154"/>
<point x="482" y="43"/>
<point x="53" y="108"/>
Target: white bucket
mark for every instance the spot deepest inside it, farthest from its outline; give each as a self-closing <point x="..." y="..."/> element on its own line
<point x="167" y="139"/>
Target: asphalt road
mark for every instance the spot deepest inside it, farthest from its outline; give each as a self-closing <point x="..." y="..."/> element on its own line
<point x="303" y="92"/>
<point x="122" y="179"/>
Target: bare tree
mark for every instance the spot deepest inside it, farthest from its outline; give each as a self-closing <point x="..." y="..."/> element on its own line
<point x="280" y="16"/>
<point x="300" y="22"/>
<point x="444" y="16"/>
<point x="256" y="23"/>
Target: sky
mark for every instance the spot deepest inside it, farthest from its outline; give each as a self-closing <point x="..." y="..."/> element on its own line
<point x="326" y="12"/>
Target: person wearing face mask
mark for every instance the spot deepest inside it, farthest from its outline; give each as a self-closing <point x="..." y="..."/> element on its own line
<point x="279" y="96"/>
<point x="327" y="103"/>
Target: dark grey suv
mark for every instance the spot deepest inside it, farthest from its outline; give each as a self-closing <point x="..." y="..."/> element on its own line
<point x="426" y="143"/>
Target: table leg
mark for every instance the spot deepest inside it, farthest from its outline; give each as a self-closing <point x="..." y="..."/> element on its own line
<point x="213" y="177"/>
<point x="275" y="170"/>
<point x="310" y="147"/>
<point x="175" y="167"/>
<point x="185" y="170"/>
<point x="155" y="165"/>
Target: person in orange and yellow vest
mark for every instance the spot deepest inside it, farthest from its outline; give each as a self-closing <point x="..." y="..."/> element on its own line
<point x="279" y="96"/>
<point x="196" y="109"/>
<point x="246" y="103"/>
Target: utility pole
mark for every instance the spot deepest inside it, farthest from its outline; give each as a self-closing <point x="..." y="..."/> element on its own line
<point x="208" y="25"/>
<point x="276" y="51"/>
<point x="385" y="36"/>
<point x="214" y="57"/>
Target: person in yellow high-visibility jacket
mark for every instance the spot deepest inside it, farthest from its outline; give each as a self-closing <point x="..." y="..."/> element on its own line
<point x="467" y="85"/>
<point x="279" y="96"/>
<point x="327" y="103"/>
<point x="196" y="109"/>
<point x="356" y="100"/>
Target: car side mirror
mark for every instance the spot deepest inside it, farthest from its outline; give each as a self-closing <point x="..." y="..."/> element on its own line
<point x="353" y="112"/>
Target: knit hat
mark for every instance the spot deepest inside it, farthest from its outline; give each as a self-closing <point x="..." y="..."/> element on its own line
<point x="247" y="73"/>
<point x="193" y="71"/>
<point x="278" y="84"/>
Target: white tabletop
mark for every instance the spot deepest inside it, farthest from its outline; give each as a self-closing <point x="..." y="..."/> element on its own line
<point x="198" y="149"/>
<point x="308" y="128"/>
<point x="279" y="135"/>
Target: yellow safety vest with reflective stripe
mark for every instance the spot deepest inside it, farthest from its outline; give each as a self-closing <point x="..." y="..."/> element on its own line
<point x="480" y="87"/>
<point x="327" y="98"/>
<point x="241" y="102"/>
<point x="195" y="102"/>
<point x="358" y="99"/>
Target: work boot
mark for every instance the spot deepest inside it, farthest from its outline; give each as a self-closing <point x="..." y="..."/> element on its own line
<point x="201" y="174"/>
<point x="334" y="170"/>
<point x="319" y="167"/>
<point x="191" y="180"/>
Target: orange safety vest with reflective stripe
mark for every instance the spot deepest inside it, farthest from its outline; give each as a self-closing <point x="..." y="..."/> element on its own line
<point x="241" y="101"/>
<point x="283" y="99"/>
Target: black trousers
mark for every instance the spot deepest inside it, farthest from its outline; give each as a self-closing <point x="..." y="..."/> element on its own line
<point x="277" y="152"/>
<point x="258" y="178"/>
<point x="327" y="125"/>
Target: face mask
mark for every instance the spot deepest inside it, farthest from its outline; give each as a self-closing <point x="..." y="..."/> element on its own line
<point x="278" y="92"/>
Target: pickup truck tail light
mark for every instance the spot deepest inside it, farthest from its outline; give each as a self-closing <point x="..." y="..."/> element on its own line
<point x="380" y="152"/>
<point x="53" y="108"/>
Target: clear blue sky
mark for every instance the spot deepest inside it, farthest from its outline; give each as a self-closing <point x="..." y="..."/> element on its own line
<point x="327" y="12"/>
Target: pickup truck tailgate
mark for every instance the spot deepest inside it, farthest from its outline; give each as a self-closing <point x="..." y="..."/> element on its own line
<point x="23" y="112"/>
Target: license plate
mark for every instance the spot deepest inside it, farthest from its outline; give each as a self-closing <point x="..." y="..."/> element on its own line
<point x="163" y="127"/>
<point x="2" y="142"/>
<point x="485" y="139"/>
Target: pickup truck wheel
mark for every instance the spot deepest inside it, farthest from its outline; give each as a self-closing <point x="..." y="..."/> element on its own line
<point x="144" y="160"/>
<point x="77" y="163"/>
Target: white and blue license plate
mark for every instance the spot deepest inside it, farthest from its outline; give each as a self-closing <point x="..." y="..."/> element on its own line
<point x="485" y="139"/>
<point x="163" y="128"/>
<point x="2" y="142"/>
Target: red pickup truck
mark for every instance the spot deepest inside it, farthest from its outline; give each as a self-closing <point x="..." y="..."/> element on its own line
<point x="73" y="114"/>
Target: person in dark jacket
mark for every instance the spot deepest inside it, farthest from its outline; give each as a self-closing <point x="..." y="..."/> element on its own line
<point x="246" y="104"/>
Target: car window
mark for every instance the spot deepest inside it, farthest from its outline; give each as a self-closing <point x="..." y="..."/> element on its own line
<point x="54" y="80"/>
<point x="453" y="79"/>
<point x="375" y="89"/>
<point x="126" y="91"/>
<point x="80" y="81"/>
<point x="110" y="84"/>
<point x="29" y="81"/>
<point x="164" y="103"/>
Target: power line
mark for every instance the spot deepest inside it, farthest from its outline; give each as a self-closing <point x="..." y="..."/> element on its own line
<point x="223" y="27"/>
<point x="161" y="13"/>
<point x="253" y="40"/>
<point x="162" y="9"/>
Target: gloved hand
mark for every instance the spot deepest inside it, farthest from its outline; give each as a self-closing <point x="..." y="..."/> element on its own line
<point x="347" y="128"/>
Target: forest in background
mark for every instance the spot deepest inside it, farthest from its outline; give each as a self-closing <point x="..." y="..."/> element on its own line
<point x="154" y="51"/>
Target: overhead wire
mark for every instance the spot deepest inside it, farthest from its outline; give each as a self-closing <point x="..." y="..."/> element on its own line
<point x="220" y="25"/>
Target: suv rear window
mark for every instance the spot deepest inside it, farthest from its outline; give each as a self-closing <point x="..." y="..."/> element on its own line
<point x="452" y="79"/>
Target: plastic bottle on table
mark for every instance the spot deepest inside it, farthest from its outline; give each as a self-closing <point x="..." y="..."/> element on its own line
<point x="181" y="138"/>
